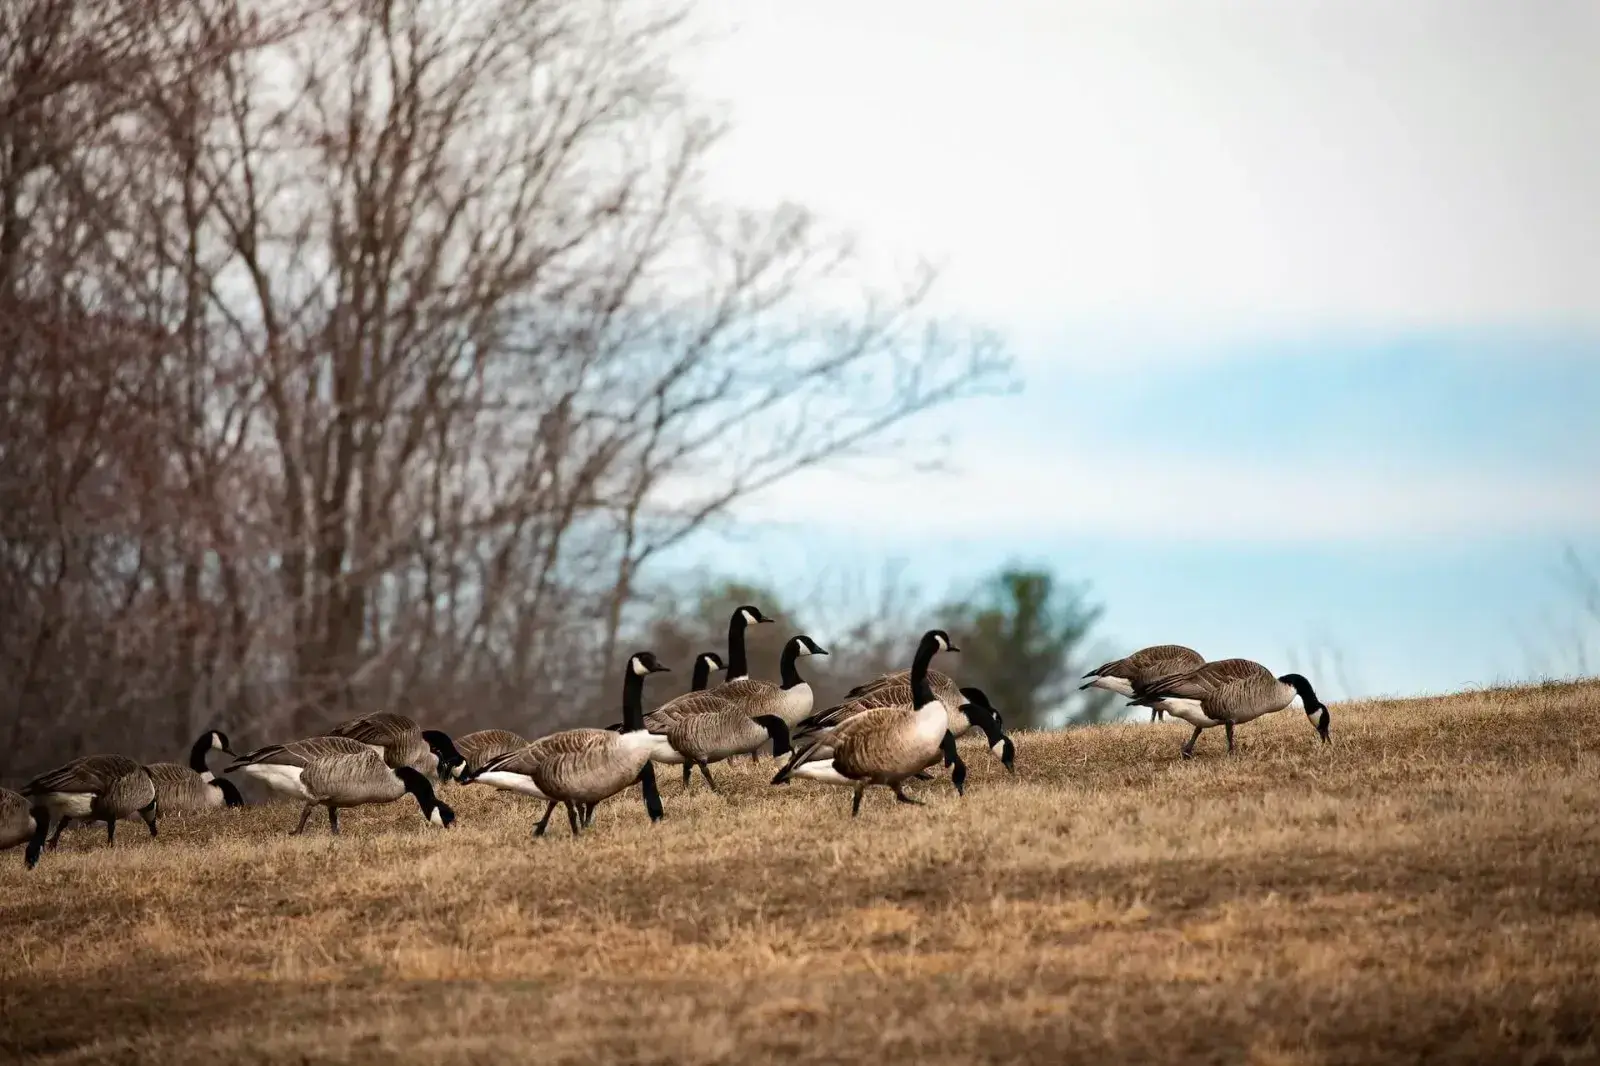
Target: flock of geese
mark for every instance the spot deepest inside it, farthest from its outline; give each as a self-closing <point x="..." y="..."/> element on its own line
<point x="888" y="731"/>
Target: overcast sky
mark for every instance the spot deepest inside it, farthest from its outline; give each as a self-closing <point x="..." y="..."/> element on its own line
<point x="1289" y="277"/>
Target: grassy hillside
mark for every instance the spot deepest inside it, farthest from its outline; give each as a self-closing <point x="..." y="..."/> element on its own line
<point x="1428" y="887"/>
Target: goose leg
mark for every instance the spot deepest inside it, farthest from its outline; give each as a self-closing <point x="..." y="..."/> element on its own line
<point x="1188" y="749"/>
<point x="111" y="832"/>
<point x="333" y="820"/>
<point x="705" y="771"/>
<point x="1228" y="728"/>
<point x="588" y="814"/>
<point x="855" y="804"/>
<point x="688" y="776"/>
<point x="55" y="838"/>
<point x="305" y="816"/>
<point x="1155" y="714"/>
<point x="899" y="794"/>
<point x="544" y="823"/>
<point x="922" y="775"/>
<point x="572" y="817"/>
<point x="148" y="813"/>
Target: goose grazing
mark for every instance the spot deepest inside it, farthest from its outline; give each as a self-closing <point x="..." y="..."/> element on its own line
<point x="402" y="742"/>
<point x="1231" y="692"/>
<point x="894" y="690"/>
<point x="579" y="768"/>
<point x="1125" y="676"/>
<point x="478" y="748"/>
<point x="359" y="779"/>
<point x="184" y="789"/>
<point x="279" y="766"/>
<point x="886" y="745"/>
<point x="95" y="788"/>
<point x="16" y="820"/>
<point x="714" y="735"/>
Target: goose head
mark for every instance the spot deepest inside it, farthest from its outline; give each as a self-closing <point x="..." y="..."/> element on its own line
<point x="938" y="640"/>
<point x="645" y="663"/>
<point x="435" y="811"/>
<point x="217" y="740"/>
<point x="749" y="615"/>
<point x="444" y="750"/>
<point x="987" y="719"/>
<point x="1316" y="710"/>
<point x="804" y="645"/>
<point x="231" y="796"/>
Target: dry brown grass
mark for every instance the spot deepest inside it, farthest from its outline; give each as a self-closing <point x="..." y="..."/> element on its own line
<point x="1426" y="889"/>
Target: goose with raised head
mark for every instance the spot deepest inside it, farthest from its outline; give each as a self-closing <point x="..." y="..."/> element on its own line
<point x="1231" y="692"/>
<point x="738" y="665"/>
<point x="1125" y="676"/>
<point x="886" y="745"/>
<point x="788" y="698"/>
<point x="95" y="788"/>
<point x="357" y="779"/>
<point x="585" y="767"/>
<point x="402" y="742"/>
<point x="478" y="748"/>
<point x="279" y="767"/>
<point x="184" y="789"/>
<point x="16" y="819"/>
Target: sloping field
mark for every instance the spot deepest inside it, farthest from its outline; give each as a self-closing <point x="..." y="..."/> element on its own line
<point x="1425" y="889"/>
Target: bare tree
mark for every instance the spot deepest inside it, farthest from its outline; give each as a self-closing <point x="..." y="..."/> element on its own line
<point x="404" y="341"/>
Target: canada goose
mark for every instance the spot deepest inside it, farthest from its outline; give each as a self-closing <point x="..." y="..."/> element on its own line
<point x="355" y="780"/>
<point x="96" y="788"/>
<point x="16" y="820"/>
<point x="513" y="771"/>
<point x="714" y="735"/>
<point x="1230" y="692"/>
<point x="894" y="690"/>
<point x="886" y="745"/>
<point x="194" y="787"/>
<point x="789" y="698"/>
<point x="279" y="766"/>
<point x="478" y="748"/>
<point x="402" y="742"/>
<point x="1124" y="676"/>
<point x="595" y="765"/>
<point x="696" y="701"/>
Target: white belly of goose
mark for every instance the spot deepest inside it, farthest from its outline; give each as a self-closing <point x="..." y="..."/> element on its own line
<point x="509" y="782"/>
<point x="932" y="723"/>
<point x="66" y="804"/>
<point x="1189" y="711"/>
<point x="1120" y="685"/>
<point x="279" y="778"/>
<point x="662" y="751"/>
<point x="822" y="770"/>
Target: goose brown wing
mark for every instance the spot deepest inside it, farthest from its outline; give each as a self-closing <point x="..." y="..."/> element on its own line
<point x="92" y="773"/>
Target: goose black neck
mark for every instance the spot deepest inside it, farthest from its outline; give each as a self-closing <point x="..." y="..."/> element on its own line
<point x="417" y="784"/>
<point x="230" y="792"/>
<point x="198" y="753"/>
<point x="632" y="700"/>
<point x="789" y="667"/>
<point x="1303" y="689"/>
<point x="702" y="675"/>
<point x="921" y="691"/>
<point x="738" y="665"/>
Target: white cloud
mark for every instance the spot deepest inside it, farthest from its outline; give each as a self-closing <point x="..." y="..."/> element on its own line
<point x="1012" y="492"/>
<point x="1360" y="161"/>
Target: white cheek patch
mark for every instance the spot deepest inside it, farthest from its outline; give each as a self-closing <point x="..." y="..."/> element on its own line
<point x="216" y="742"/>
<point x="749" y="619"/>
<point x="999" y="748"/>
<point x="639" y="668"/>
<point x="436" y="818"/>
